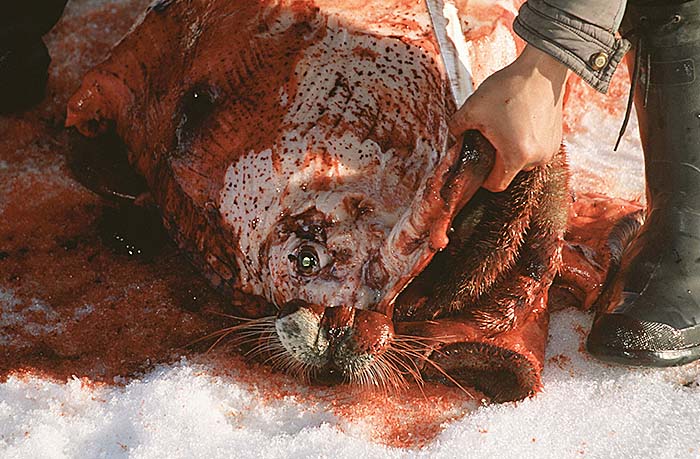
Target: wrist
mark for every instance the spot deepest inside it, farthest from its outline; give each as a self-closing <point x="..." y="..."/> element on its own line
<point x="533" y="63"/>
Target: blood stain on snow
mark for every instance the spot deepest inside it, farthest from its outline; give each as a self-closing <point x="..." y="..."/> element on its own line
<point x="560" y="360"/>
<point x="409" y="418"/>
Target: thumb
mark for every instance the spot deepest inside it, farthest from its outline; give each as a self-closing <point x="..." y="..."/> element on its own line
<point x="501" y="175"/>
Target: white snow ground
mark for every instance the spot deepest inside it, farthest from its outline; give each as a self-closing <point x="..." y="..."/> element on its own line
<point x="587" y="409"/>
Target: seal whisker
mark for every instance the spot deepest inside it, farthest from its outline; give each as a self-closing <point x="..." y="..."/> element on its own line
<point x="375" y="380"/>
<point x="256" y="333"/>
<point x="397" y="359"/>
<point x="247" y="338"/>
<point x="242" y="342"/>
<point x="292" y="366"/>
<point x="268" y="343"/>
<point x="429" y="361"/>
<point x="250" y="324"/>
<point x="398" y="376"/>
<point x="358" y="379"/>
<point x="223" y="331"/>
<point x="269" y="346"/>
<point x="384" y="380"/>
<point x="406" y="363"/>
<point x="240" y="318"/>
<point x="282" y="361"/>
<point x="399" y="363"/>
<point x="384" y="373"/>
<point x="401" y="347"/>
<point x="277" y="360"/>
<point x="306" y="373"/>
<point x="390" y="374"/>
<point x="262" y="348"/>
<point x="224" y="335"/>
<point x="260" y="335"/>
<point x="412" y="342"/>
<point x="364" y="379"/>
<point x="413" y="338"/>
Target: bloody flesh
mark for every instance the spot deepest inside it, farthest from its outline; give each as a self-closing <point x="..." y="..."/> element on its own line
<point x="73" y="305"/>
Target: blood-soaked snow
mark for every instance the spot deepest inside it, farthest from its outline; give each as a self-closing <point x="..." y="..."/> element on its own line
<point x="182" y="410"/>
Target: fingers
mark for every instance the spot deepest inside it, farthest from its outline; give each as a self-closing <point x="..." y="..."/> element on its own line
<point x="499" y="178"/>
<point x="523" y="126"/>
<point x="501" y="175"/>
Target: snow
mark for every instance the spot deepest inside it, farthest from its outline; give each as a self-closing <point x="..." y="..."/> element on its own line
<point x="588" y="409"/>
<point x="12" y="314"/>
<point x="187" y="410"/>
<point x="617" y="173"/>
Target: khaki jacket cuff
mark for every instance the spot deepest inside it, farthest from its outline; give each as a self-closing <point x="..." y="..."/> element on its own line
<point x="591" y="52"/>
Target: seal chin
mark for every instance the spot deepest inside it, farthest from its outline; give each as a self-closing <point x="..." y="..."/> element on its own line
<point x="337" y="343"/>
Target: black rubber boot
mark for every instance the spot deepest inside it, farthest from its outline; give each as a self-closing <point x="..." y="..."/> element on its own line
<point x="654" y="320"/>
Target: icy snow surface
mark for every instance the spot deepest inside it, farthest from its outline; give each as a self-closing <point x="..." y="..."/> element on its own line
<point x="180" y="411"/>
<point x="184" y="410"/>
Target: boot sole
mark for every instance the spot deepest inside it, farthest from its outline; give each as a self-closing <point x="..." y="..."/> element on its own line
<point x="641" y="358"/>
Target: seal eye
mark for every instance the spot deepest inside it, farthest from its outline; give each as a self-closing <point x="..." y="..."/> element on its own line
<point x="309" y="258"/>
<point x="307" y="262"/>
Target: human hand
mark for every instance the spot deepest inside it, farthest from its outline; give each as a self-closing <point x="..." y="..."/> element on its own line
<point x="519" y="110"/>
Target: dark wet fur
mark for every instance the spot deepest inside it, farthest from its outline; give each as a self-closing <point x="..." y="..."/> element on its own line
<point x="504" y="250"/>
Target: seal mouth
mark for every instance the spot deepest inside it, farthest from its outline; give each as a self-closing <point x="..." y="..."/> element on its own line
<point x="333" y="344"/>
<point x="341" y="344"/>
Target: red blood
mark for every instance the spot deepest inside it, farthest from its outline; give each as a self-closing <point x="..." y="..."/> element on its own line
<point x="72" y="306"/>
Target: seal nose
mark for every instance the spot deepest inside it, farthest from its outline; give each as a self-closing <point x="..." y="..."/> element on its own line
<point x="372" y="332"/>
<point x="290" y="308"/>
<point x="337" y="341"/>
<point x="337" y="321"/>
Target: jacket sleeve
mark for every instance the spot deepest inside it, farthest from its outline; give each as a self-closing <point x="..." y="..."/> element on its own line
<point x="578" y="33"/>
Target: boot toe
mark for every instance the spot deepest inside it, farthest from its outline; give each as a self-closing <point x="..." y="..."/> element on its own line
<point x="620" y="338"/>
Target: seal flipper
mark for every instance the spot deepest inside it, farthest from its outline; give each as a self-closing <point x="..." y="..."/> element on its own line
<point x="505" y="367"/>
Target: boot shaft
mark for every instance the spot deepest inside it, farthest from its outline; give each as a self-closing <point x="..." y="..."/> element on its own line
<point x="651" y="309"/>
<point x="667" y="99"/>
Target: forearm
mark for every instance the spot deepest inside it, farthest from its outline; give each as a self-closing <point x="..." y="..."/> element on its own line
<point x="578" y="33"/>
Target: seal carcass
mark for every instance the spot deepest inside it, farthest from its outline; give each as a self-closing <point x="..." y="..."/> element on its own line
<point x="296" y="150"/>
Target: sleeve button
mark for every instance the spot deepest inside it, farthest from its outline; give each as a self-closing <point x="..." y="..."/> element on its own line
<point x="598" y="61"/>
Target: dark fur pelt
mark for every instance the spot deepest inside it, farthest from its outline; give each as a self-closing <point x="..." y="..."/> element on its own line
<point x="503" y="254"/>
